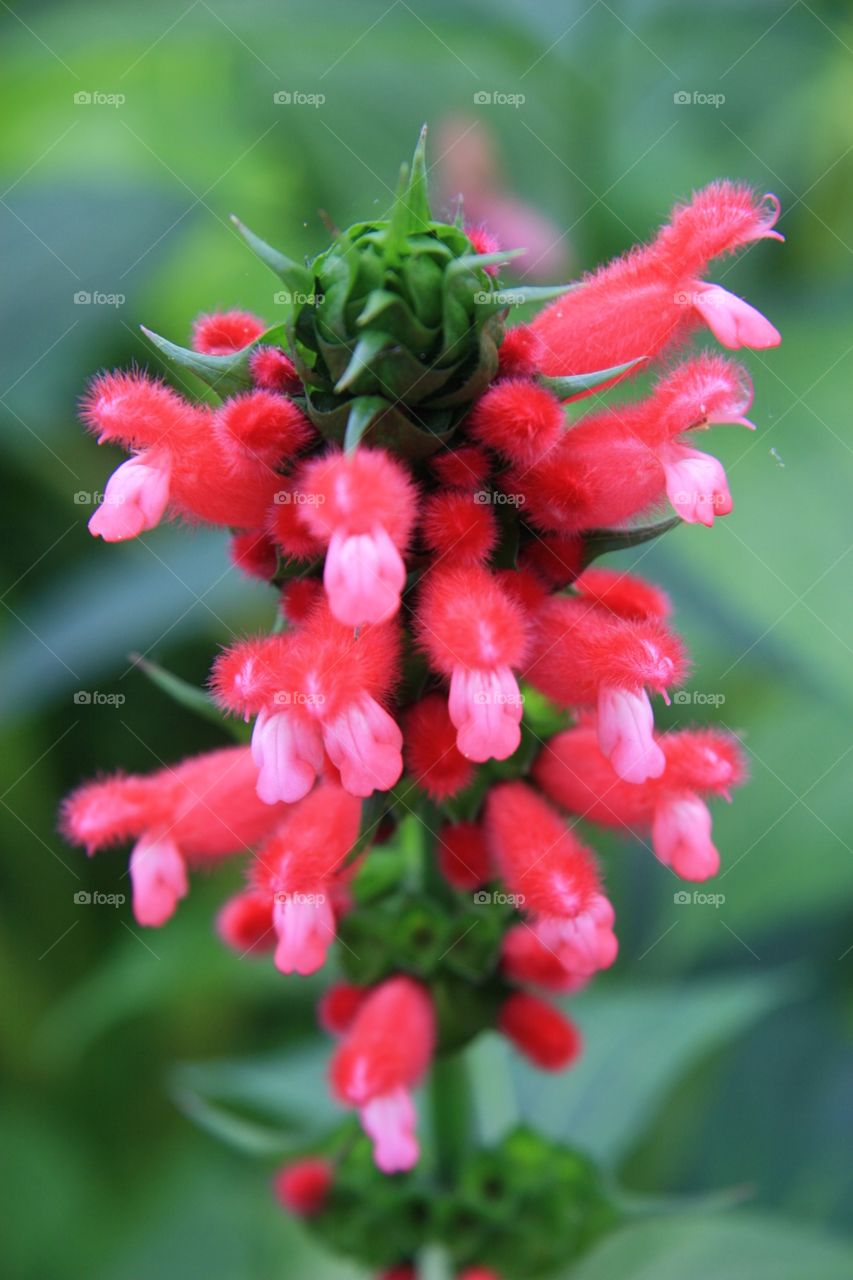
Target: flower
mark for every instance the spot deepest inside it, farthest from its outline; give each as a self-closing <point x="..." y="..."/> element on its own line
<point x="302" y="1186"/>
<point x="474" y="633"/>
<point x="361" y="506"/>
<point x="295" y="869"/>
<point x="223" y="332"/>
<point x="463" y="857"/>
<point x="583" y="655"/>
<point x="432" y="757"/>
<point x="650" y="299"/>
<point x="193" y="813"/>
<point x="385" y="1052"/>
<point x="553" y="875"/>
<point x="539" y="1031"/>
<point x="315" y="691"/>
<point x="572" y="770"/>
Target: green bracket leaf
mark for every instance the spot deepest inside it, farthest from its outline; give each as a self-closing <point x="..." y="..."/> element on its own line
<point x="366" y="350"/>
<point x="298" y="278"/>
<point x="574" y="384"/>
<point x="521" y="295"/>
<point x="188" y="695"/>
<point x="225" y="375"/>
<point x="417" y="197"/>
<point x="599" y="542"/>
<point x="363" y="411"/>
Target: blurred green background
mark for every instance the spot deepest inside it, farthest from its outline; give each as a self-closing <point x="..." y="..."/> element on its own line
<point x="719" y="1045"/>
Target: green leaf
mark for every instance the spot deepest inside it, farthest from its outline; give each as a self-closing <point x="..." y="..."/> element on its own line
<point x="298" y="278"/>
<point x="417" y="196"/>
<point x="188" y="695"/>
<point x="224" y="374"/>
<point x="598" y="542"/>
<point x="366" y="350"/>
<point x="521" y="295"/>
<point x="639" y="1042"/>
<point x="737" y="1246"/>
<point x="231" y="1128"/>
<point x="363" y="411"/>
<point x="573" y="384"/>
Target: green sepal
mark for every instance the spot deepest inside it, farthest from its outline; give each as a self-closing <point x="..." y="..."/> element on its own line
<point x="189" y="696"/>
<point x="362" y="412"/>
<point x="363" y="357"/>
<point x="574" y="384"/>
<point x="521" y="295"/>
<point x="599" y="542"/>
<point x="299" y="279"/>
<point x="389" y="427"/>
<point x="417" y="194"/>
<point x="226" y="375"/>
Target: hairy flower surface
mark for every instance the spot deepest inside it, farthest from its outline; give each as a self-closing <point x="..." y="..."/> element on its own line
<point x="449" y="679"/>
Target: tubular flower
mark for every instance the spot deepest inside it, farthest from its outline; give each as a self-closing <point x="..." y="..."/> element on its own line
<point x="225" y="331"/>
<point x="652" y="298"/>
<point x="474" y="633"/>
<point x="302" y="1187"/>
<point x="362" y="507"/>
<point x="432" y="756"/>
<point x="699" y="763"/>
<point x="582" y="655"/>
<point x="179" y="461"/>
<point x="539" y="1031"/>
<point x="296" y="869"/>
<point x="384" y="1054"/>
<point x="553" y="876"/>
<point x="395" y="443"/>
<point x="619" y="462"/>
<point x="315" y="692"/>
<point x="197" y="812"/>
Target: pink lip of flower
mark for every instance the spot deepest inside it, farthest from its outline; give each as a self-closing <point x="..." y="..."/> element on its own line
<point x="625" y="734"/>
<point x="732" y="321"/>
<point x="486" y="708"/>
<point x="288" y="750"/>
<point x="390" y="1120"/>
<point x="135" y="498"/>
<point x="158" y="875"/>
<point x="681" y="836"/>
<point x="305" y="925"/>
<point x="696" y="484"/>
<point x="364" y="576"/>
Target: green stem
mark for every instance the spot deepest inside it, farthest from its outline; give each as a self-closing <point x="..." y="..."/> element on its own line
<point x="452" y="1109"/>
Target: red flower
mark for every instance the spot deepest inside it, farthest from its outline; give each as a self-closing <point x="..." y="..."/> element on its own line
<point x="539" y="1031"/>
<point x="652" y="298"/>
<point x="463" y="857"/>
<point x="583" y="655"/>
<point x="245" y="923"/>
<point x="362" y="507"/>
<point x="314" y="690"/>
<point x="553" y="876"/>
<point x="385" y="1052"/>
<point x="699" y="762"/>
<point x="302" y="1187"/>
<point x="224" y="332"/>
<point x="432" y="756"/>
<point x="474" y="633"/>
<point x="518" y="419"/>
<point x="296" y="868"/>
<point x="201" y="809"/>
